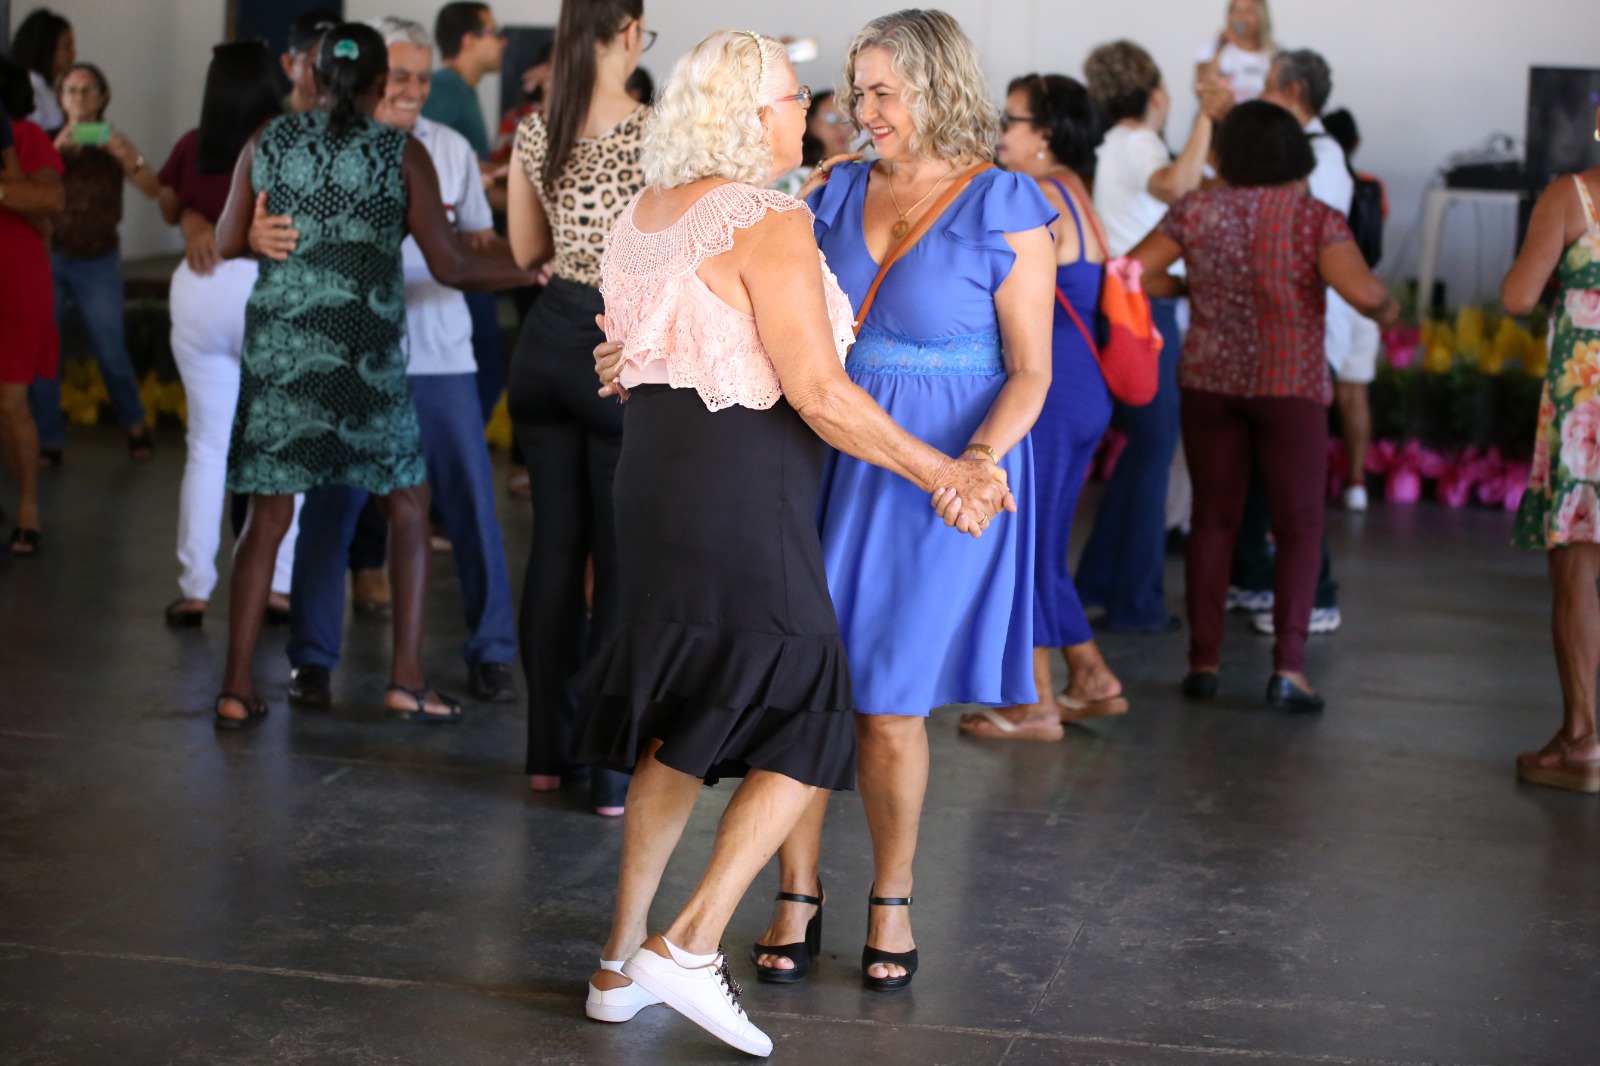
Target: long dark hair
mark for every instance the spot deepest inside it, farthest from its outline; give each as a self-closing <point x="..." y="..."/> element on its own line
<point x="1068" y="115"/>
<point x="583" y="25"/>
<point x="344" y="76"/>
<point x="241" y="94"/>
<point x="34" y="46"/>
<point x="16" y="91"/>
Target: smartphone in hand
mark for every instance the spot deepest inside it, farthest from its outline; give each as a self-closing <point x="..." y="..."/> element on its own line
<point x="97" y="133"/>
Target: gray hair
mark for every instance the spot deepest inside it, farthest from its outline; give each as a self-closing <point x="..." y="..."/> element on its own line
<point x="396" y="30"/>
<point x="1309" y="70"/>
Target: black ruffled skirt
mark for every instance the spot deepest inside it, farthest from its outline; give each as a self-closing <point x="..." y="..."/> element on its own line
<point x="728" y="651"/>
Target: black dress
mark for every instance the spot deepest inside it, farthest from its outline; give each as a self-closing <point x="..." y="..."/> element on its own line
<point x="728" y="651"/>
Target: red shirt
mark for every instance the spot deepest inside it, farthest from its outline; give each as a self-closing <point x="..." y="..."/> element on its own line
<point x="1257" y="300"/>
<point x="206" y="193"/>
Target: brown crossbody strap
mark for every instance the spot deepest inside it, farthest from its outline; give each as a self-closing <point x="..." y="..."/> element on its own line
<point x="924" y="224"/>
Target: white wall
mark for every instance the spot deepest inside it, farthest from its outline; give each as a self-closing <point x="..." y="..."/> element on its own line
<point x="1424" y="77"/>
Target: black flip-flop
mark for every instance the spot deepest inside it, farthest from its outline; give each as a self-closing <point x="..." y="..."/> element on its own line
<point x="254" y="711"/>
<point x="421" y="714"/>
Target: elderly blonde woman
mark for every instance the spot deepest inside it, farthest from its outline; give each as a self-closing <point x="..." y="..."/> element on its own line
<point x="728" y="659"/>
<point x="956" y="348"/>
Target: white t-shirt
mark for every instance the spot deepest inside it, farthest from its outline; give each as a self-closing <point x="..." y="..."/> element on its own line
<point x="1332" y="184"/>
<point x="47" y="113"/>
<point x="1246" y="71"/>
<point x="1127" y="158"/>
<point x="438" y="324"/>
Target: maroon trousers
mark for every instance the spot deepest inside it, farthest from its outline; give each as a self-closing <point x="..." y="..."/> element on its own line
<point x="1287" y="438"/>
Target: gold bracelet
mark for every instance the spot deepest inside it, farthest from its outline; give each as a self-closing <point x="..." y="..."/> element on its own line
<point x="985" y="449"/>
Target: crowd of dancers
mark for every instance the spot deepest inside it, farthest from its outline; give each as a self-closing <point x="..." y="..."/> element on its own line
<point x="806" y="399"/>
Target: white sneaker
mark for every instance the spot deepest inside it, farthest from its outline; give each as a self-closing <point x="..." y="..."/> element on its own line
<point x="1323" y="620"/>
<point x="616" y="1004"/>
<point x="1355" y="498"/>
<point x="1247" y="601"/>
<point x="706" y="995"/>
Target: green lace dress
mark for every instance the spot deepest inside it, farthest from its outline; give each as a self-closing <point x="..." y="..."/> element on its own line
<point x="1562" y="504"/>
<point x="322" y="393"/>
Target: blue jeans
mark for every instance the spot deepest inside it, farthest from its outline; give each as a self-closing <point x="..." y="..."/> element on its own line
<point x="1123" y="566"/>
<point x="95" y="285"/>
<point x="463" y="489"/>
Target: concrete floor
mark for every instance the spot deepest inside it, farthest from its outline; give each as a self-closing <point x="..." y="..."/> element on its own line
<point x="1185" y="886"/>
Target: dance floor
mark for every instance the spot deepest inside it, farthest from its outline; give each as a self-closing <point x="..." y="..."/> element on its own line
<point x="1188" y="885"/>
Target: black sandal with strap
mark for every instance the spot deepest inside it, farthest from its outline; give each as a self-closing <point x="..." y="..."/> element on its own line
<point x="421" y="714"/>
<point x="871" y="956"/>
<point x="800" y="954"/>
<point x="254" y="711"/>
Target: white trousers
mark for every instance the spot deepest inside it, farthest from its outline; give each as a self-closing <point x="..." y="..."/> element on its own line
<point x="207" y="339"/>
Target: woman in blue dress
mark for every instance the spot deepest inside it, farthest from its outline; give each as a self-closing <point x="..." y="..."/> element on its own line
<point x="957" y="349"/>
<point x="1048" y="132"/>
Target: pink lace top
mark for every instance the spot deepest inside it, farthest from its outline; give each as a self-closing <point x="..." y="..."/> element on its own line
<point x="675" y="330"/>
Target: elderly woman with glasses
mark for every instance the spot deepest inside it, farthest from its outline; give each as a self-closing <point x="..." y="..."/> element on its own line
<point x="728" y="660"/>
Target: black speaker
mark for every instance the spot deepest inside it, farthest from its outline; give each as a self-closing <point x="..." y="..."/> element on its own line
<point x="1562" y="103"/>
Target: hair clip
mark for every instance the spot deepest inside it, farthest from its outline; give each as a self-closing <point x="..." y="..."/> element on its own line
<point x="346" y="49"/>
<point x="761" y="54"/>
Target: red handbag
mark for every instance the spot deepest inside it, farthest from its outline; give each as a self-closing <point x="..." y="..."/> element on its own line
<point x="1130" y="359"/>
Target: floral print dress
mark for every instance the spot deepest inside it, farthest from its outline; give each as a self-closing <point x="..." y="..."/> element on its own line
<point x="323" y="398"/>
<point x="1562" y="504"/>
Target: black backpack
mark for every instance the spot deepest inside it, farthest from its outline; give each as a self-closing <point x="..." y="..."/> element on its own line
<point x="1366" y="218"/>
<point x="1366" y="211"/>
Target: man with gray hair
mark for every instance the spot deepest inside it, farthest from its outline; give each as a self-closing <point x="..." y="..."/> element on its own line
<point x="443" y="379"/>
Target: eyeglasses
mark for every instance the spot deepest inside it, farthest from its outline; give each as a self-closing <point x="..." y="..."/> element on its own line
<point x="1007" y="121"/>
<point x="489" y="31"/>
<point x="649" y="40"/>
<point x="832" y="118"/>
<point x="803" y="98"/>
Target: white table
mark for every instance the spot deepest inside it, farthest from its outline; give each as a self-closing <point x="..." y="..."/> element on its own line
<point x="1436" y="205"/>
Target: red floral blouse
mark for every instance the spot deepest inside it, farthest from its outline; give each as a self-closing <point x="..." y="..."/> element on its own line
<point x="1257" y="300"/>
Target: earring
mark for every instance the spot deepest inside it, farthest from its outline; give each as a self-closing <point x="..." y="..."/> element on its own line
<point x="1040" y="154"/>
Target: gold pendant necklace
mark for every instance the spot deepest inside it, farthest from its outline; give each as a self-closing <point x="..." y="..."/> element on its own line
<point x="903" y="227"/>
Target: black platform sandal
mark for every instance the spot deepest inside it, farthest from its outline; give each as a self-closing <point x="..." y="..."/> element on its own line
<point x="254" y="712"/>
<point x="421" y="714"/>
<point x="800" y="954"/>
<point x="871" y="956"/>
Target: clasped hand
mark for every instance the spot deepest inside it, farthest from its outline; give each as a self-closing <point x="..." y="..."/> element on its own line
<point x="969" y="493"/>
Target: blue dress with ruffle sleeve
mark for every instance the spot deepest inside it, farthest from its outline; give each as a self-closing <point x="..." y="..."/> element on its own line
<point x="929" y="616"/>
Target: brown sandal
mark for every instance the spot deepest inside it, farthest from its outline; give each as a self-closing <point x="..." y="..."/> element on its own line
<point x="1075" y="710"/>
<point x="990" y="724"/>
<point x="1553" y="767"/>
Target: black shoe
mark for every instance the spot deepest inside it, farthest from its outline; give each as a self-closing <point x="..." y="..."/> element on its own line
<point x="310" y="685"/>
<point x="492" y="682"/>
<point x="1200" y="685"/>
<point x="800" y="954"/>
<point x="1287" y="696"/>
<point x="871" y="956"/>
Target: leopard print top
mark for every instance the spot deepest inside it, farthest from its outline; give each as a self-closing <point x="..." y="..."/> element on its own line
<point x="600" y="179"/>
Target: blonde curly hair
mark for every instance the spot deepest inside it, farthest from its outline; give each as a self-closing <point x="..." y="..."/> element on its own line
<point x="707" y="122"/>
<point x="951" y="112"/>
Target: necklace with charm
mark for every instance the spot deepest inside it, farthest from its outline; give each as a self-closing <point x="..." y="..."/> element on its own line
<point x="903" y="227"/>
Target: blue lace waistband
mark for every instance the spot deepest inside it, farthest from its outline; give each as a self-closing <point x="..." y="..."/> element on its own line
<point x="969" y="354"/>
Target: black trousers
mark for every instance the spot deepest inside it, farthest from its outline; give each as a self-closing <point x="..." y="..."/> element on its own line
<point x="571" y="439"/>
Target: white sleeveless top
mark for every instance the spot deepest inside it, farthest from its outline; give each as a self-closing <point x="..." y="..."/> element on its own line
<point x="674" y="329"/>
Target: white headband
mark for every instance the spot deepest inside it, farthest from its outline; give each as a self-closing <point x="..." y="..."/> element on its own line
<point x="761" y="54"/>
